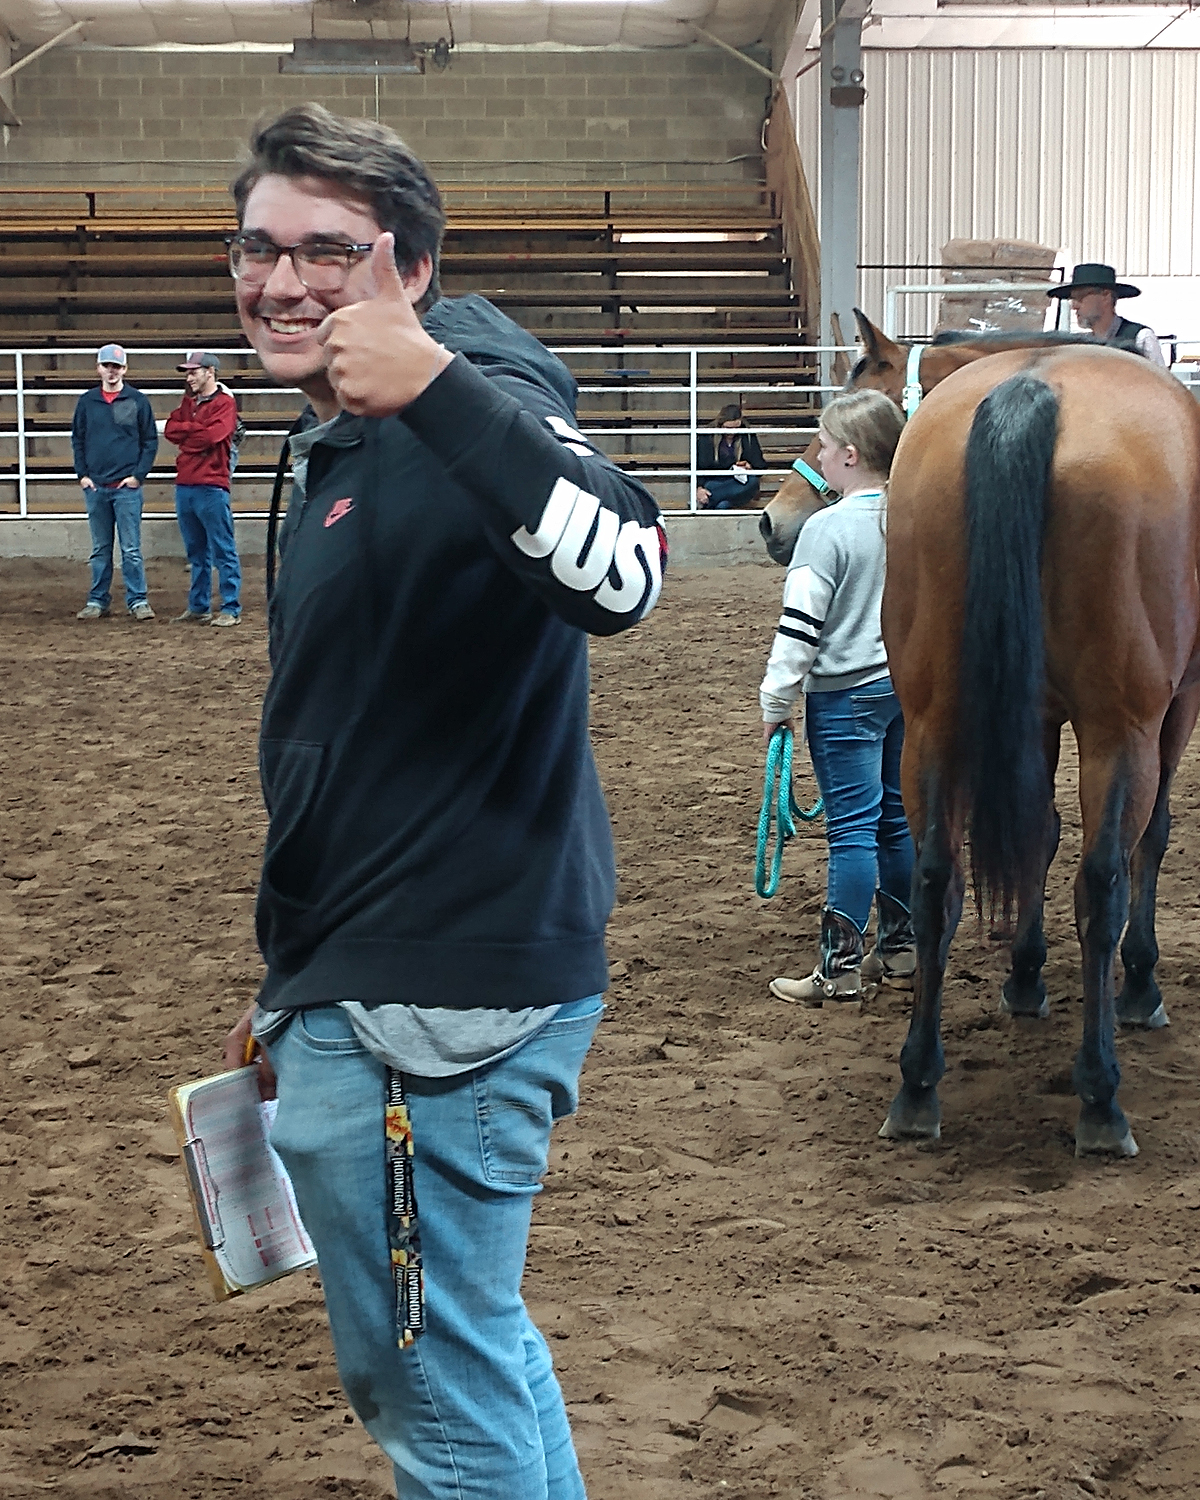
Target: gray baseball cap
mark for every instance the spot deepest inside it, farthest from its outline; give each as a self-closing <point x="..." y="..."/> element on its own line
<point x="200" y="361"/>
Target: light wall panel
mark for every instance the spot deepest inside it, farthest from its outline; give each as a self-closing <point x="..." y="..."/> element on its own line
<point x="1093" y="151"/>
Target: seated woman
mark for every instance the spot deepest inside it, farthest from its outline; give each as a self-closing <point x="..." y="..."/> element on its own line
<point x="739" y="452"/>
<point x="829" y="655"/>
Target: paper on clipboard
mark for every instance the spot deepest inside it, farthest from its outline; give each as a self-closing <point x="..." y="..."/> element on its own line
<point x="244" y="1203"/>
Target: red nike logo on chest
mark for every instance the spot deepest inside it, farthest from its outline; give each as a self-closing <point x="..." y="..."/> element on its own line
<point x="338" y="509"/>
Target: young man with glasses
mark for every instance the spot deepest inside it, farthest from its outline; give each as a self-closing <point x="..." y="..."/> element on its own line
<point x="114" y="441"/>
<point x="438" y="870"/>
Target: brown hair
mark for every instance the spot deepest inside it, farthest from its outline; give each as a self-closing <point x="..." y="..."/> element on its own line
<point x="730" y="413"/>
<point x="363" y="158"/>
<point x="868" y="421"/>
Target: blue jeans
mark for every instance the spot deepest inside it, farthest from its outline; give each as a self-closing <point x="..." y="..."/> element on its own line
<point x="731" y="494"/>
<point x="206" y="525"/>
<point x="855" y="739"/>
<point x="111" y="507"/>
<point x="472" y="1409"/>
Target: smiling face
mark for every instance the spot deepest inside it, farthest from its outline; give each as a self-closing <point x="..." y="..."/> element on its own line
<point x="281" y="316"/>
<point x="112" y="377"/>
<point x="201" y="382"/>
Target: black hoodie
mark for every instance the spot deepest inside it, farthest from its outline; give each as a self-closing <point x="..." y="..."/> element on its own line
<point x="437" y="835"/>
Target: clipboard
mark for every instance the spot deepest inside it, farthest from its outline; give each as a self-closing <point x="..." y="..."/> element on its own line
<point x="245" y="1212"/>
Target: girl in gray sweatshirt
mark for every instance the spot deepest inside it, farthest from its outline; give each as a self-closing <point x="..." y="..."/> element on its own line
<point x="829" y="646"/>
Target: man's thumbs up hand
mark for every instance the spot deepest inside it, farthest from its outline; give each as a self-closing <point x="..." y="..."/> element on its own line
<point x="385" y="273"/>
<point x="378" y="358"/>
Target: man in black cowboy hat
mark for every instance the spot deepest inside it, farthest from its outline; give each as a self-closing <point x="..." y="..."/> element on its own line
<point x="1094" y="292"/>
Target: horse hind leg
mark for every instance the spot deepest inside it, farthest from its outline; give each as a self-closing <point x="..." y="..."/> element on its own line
<point x="1024" y="991"/>
<point x="1117" y="799"/>
<point x="936" y="907"/>
<point x="1140" y="1003"/>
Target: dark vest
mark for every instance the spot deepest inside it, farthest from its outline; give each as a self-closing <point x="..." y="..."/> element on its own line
<point x="1124" y="334"/>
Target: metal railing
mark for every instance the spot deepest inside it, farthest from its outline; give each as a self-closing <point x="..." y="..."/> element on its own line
<point x="699" y="385"/>
<point x="927" y="282"/>
<point x="953" y="289"/>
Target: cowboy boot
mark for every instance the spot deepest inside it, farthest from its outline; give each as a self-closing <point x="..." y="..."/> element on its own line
<point x="893" y="959"/>
<point x="838" y="975"/>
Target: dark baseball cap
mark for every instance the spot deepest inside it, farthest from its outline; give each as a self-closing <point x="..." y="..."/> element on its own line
<point x="200" y="361"/>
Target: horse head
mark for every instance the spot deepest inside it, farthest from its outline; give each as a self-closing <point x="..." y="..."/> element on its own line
<point x="882" y="363"/>
<point x="880" y="368"/>
<point x="794" y="501"/>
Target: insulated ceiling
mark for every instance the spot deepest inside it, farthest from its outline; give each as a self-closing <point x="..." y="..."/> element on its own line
<point x="640" y="23"/>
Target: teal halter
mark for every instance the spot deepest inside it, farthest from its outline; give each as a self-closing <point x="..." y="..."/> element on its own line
<point x="822" y="487"/>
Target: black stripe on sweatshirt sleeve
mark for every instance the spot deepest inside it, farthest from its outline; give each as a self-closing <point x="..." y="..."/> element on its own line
<point x="798" y="635"/>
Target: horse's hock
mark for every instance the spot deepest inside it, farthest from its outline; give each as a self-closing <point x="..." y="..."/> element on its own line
<point x="973" y="261"/>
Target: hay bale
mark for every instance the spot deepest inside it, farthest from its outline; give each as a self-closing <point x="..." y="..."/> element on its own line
<point x="1001" y="261"/>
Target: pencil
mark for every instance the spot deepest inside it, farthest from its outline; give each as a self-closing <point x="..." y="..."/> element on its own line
<point x="248" y="1051"/>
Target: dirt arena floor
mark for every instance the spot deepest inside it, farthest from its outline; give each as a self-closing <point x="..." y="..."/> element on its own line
<point x="748" y="1294"/>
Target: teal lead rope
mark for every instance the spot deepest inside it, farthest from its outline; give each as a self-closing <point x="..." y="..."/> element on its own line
<point x="779" y="798"/>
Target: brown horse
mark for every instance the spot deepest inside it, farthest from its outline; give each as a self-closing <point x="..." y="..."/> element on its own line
<point x="1043" y="554"/>
<point x="883" y="366"/>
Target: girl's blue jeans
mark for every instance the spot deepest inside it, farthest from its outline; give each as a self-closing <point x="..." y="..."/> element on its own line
<point x="472" y="1409"/>
<point x="855" y="739"/>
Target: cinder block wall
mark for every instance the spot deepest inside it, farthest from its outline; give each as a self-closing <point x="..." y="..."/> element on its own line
<point x="689" y="114"/>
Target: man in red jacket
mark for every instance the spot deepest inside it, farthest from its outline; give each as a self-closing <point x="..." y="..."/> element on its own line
<point x="202" y="427"/>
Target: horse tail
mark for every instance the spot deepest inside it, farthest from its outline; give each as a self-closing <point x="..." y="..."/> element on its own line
<point x="1003" y="668"/>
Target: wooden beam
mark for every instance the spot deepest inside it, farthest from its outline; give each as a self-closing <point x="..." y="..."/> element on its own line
<point x="45" y="47"/>
<point x="733" y="51"/>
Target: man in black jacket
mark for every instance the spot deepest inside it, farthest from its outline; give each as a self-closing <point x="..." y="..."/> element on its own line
<point x="737" y="451"/>
<point x="438" y="869"/>
<point x="114" y="440"/>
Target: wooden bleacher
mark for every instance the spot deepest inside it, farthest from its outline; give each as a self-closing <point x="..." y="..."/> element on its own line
<point x="146" y="266"/>
<point x="555" y="257"/>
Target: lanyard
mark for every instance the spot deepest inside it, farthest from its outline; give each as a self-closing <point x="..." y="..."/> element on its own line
<point x="404" y="1239"/>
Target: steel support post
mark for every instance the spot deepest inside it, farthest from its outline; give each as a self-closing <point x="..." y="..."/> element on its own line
<point x="841" y="81"/>
<point x="22" y="459"/>
<point x="693" y="419"/>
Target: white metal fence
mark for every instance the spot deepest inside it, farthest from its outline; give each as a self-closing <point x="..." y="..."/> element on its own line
<point x="31" y="379"/>
<point x="678" y="372"/>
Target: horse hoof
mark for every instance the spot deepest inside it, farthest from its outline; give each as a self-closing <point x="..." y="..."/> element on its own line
<point x="1035" y="1007"/>
<point x="1125" y="1146"/>
<point x="914" y="1115"/>
<point x="1155" y="1021"/>
<point x="1104" y="1132"/>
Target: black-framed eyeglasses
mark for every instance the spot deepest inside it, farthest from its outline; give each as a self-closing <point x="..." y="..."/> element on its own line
<point x="320" y="265"/>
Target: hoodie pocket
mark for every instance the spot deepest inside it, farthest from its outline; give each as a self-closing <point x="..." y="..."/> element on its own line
<point x="290" y="771"/>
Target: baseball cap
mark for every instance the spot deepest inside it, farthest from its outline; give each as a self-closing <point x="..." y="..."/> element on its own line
<point x="111" y="354"/>
<point x="200" y="361"/>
